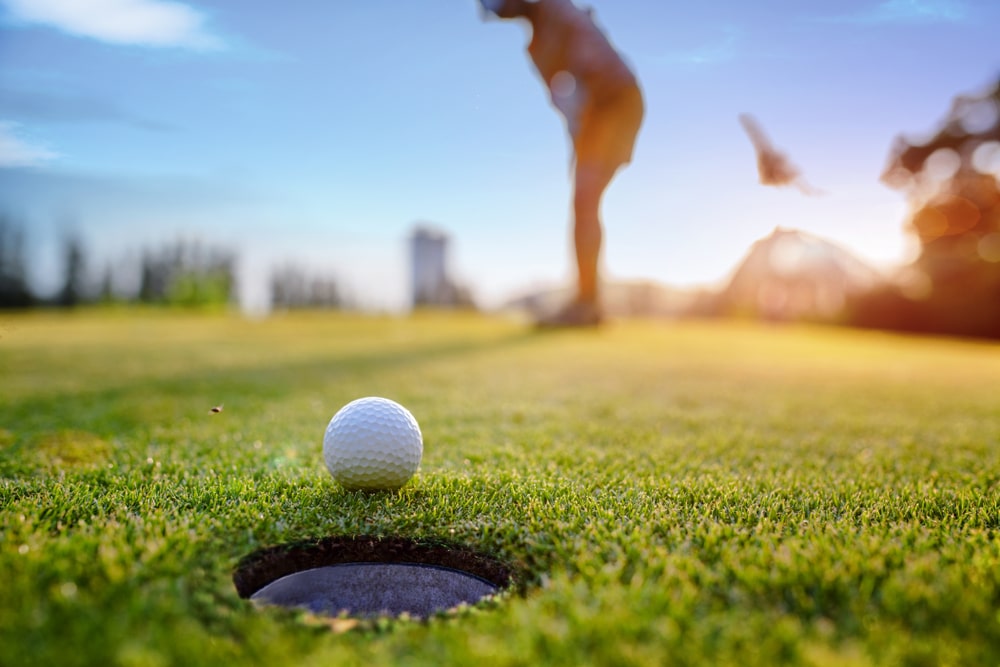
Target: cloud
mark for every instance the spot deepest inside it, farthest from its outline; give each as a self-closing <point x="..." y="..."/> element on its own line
<point x="909" y="11"/>
<point x="65" y="107"/>
<point x="155" y="23"/>
<point x="16" y="152"/>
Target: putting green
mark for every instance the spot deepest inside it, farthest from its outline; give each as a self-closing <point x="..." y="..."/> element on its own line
<point x="663" y="493"/>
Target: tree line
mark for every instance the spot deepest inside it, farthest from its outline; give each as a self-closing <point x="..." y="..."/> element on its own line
<point x="184" y="273"/>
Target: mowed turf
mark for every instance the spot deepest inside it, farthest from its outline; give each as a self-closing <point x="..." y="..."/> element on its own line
<point x="666" y="493"/>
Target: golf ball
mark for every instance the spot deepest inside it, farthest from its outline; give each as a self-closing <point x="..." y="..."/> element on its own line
<point x="373" y="443"/>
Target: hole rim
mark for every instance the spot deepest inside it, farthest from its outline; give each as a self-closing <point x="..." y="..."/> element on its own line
<point x="264" y="566"/>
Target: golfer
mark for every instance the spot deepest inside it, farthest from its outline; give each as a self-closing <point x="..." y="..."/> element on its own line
<point x="599" y="96"/>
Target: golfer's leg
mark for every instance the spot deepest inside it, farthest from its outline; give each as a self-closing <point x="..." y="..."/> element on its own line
<point x="591" y="181"/>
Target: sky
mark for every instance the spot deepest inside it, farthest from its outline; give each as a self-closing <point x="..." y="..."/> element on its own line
<point x="320" y="133"/>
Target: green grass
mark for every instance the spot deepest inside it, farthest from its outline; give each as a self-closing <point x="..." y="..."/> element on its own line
<point x="690" y="494"/>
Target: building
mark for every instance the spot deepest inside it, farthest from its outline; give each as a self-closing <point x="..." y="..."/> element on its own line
<point x="431" y="284"/>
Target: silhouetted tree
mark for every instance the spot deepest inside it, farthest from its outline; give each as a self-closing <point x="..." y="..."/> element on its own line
<point x="292" y="287"/>
<point x="14" y="290"/>
<point x="74" y="264"/>
<point x="106" y="291"/>
<point x="152" y="278"/>
<point x="187" y="274"/>
<point x="953" y="286"/>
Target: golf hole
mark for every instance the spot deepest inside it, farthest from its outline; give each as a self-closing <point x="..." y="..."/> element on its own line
<point x="368" y="577"/>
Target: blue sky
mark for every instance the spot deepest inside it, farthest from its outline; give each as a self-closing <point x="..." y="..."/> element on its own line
<point x="319" y="132"/>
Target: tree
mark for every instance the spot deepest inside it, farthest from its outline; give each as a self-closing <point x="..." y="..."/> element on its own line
<point x="951" y="180"/>
<point x="14" y="290"/>
<point x="73" y="289"/>
<point x="292" y="287"/>
<point x="106" y="291"/>
<point x="188" y="274"/>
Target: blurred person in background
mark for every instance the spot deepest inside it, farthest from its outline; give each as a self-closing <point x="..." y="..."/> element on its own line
<point x="599" y="97"/>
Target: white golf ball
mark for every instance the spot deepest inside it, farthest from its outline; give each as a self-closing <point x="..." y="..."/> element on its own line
<point x="373" y="443"/>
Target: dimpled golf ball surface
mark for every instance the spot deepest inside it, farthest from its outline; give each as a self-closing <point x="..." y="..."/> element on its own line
<point x="372" y="443"/>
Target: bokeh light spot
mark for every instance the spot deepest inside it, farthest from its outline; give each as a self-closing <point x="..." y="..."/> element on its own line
<point x="947" y="217"/>
<point x="979" y="116"/>
<point x="989" y="247"/>
<point x="930" y="223"/>
<point x="563" y="84"/>
<point x="915" y="284"/>
<point x="986" y="158"/>
<point x="942" y="164"/>
<point x="961" y="213"/>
